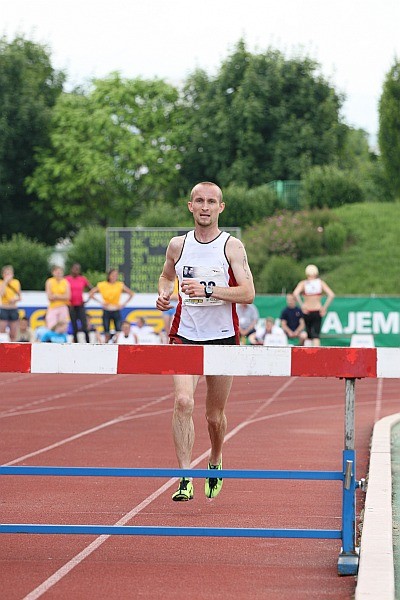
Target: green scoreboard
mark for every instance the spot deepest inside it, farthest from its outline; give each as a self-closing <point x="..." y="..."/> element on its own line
<point x="139" y="253"/>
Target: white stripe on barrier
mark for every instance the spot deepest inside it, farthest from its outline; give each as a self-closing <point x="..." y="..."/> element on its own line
<point x="388" y="362"/>
<point x="247" y="360"/>
<point x="74" y="358"/>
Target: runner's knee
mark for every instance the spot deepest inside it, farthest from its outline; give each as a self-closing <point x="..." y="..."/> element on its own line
<point x="184" y="403"/>
<point x="215" y="418"/>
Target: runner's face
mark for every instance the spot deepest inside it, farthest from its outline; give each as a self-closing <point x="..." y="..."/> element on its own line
<point x="206" y="205"/>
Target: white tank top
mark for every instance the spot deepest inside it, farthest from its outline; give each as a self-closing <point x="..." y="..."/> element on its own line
<point x="312" y="287"/>
<point x="201" y="319"/>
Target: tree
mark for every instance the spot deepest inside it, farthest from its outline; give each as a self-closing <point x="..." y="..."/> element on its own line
<point x="389" y="127"/>
<point x="29" y="87"/>
<point x="357" y="158"/>
<point x="263" y="117"/>
<point x="329" y="186"/>
<point x="29" y="258"/>
<point x="112" y="152"/>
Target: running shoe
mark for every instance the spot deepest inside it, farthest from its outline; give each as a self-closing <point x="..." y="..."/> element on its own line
<point x="213" y="484"/>
<point x="184" y="491"/>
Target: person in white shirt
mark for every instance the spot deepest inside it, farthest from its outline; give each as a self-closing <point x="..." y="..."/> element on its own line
<point x="269" y="334"/>
<point x="248" y="318"/>
<point x="145" y="333"/>
<point x="126" y="335"/>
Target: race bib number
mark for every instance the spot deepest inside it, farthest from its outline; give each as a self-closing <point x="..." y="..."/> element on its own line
<point x="212" y="276"/>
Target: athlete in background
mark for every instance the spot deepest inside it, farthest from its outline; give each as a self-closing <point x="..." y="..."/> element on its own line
<point x="309" y="293"/>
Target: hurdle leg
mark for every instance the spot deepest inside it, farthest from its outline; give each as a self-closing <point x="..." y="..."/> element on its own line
<point x="348" y="557"/>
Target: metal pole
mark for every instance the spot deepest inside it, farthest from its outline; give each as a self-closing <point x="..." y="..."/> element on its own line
<point x="349" y="418"/>
<point x="348" y="557"/>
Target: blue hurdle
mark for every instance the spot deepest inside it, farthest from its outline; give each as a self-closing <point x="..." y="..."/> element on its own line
<point x="348" y="557"/>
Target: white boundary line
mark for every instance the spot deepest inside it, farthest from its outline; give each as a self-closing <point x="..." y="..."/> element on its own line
<point x="376" y="572"/>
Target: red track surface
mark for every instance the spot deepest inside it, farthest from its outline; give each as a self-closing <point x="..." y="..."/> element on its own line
<point x="124" y="421"/>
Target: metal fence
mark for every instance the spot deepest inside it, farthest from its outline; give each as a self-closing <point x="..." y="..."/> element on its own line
<point x="288" y="193"/>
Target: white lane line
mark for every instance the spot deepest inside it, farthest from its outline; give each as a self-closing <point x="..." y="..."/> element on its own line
<point x="76" y="560"/>
<point x="81" y="434"/>
<point x="12" y="379"/>
<point x="11" y="412"/>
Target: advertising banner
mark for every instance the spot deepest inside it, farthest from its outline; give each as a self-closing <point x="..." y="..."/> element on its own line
<point x="348" y="316"/>
<point x="378" y="317"/>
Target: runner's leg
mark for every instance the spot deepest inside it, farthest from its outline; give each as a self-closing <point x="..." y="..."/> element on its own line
<point x="182" y="420"/>
<point x="218" y="389"/>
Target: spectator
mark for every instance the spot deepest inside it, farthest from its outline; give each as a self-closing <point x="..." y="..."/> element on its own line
<point x="111" y="291"/>
<point x="126" y="335"/>
<point x="57" y="334"/>
<point x="25" y="333"/>
<point x="308" y="293"/>
<point x="268" y="335"/>
<point x="58" y="292"/>
<point x="39" y="332"/>
<point x="94" y="334"/>
<point x="78" y="284"/>
<point x="10" y="294"/>
<point x="248" y="318"/>
<point x="145" y="333"/>
<point x="292" y="321"/>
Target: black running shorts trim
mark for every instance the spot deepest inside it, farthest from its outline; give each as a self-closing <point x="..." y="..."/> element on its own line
<point x="229" y="341"/>
<point x="313" y="322"/>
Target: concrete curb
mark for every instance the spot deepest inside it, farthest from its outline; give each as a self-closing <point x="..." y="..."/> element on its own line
<point x="376" y="572"/>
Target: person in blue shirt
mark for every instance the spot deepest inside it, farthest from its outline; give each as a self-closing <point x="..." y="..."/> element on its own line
<point x="292" y="320"/>
<point x="57" y="334"/>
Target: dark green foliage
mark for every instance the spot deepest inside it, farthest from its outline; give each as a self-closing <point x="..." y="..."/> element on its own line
<point x="263" y="117"/>
<point x="296" y="235"/>
<point x="389" y="127"/>
<point x="95" y="276"/>
<point x="335" y="236"/>
<point x="112" y="152"/>
<point x="325" y="262"/>
<point x="279" y="275"/>
<point x="329" y="187"/>
<point x="163" y="214"/>
<point x="247" y="206"/>
<point x="308" y="241"/>
<point x="29" y="258"/>
<point x="88" y="249"/>
<point x="29" y="87"/>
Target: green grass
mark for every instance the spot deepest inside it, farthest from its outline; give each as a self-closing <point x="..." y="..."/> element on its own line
<point x="370" y="264"/>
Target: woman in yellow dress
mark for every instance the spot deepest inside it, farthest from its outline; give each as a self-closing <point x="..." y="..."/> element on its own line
<point x="111" y="291"/>
<point x="58" y="293"/>
<point x="10" y="294"/>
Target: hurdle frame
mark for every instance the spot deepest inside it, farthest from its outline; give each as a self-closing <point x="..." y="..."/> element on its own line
<point x="344" y="363"/>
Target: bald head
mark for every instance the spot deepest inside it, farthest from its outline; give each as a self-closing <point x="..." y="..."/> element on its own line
<point x="208" y="187"/>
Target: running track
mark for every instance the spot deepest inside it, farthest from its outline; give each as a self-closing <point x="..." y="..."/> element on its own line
<point x="124" y="421"/>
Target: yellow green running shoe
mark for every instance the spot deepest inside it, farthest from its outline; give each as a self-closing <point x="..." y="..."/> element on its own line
<point x="213" y="484"/>
<point x="184" y="491"/>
